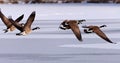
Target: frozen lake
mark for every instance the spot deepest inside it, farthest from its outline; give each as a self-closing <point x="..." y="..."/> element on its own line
<point x="52" y="45"/>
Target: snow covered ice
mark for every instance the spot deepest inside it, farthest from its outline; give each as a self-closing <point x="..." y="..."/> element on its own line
<point x="53" y="45"/>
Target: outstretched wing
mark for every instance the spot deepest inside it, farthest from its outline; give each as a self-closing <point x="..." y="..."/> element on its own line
<point x="17" y="25"/>
<point x="74" y="27"/>
<point x="17" y="20"/>
<point x="5" y="19"/>
<point x="30" y="21"/>
<point x="102" y="35"/>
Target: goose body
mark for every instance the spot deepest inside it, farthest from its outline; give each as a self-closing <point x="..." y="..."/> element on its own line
<point x="97" y="30"/>
<point x="8" y="24"/>
<point x="73" y="25"/>
<point x="26" y="28"/>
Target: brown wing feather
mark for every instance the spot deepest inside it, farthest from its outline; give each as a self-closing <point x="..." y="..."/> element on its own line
<point x="30" y="21"/>
<point x="5" y="19"/>
<point x="102" y="35"/>
<point x="76" y="31"/>
<point x="17" y="25"/>
<point x="19" y="18"/>
<point x="11" y="27"/>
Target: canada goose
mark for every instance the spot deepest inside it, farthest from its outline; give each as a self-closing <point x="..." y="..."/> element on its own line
<point x="26" y="28"/>
<point x="90" y="31"/>
<point x="97" y="30"/>
<point x="8" y="24"/>
<point x="73" y="25"/>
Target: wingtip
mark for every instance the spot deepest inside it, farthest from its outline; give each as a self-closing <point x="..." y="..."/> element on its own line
<point x="80" y="40"/>
<point x="22" y="15"/>
<point x="33" y="12"/>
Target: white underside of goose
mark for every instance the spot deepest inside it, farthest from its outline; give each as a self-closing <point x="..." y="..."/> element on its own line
<point x="24" y="33"/>
<point x="62" y="26"/>
<point x="9" y="30"/>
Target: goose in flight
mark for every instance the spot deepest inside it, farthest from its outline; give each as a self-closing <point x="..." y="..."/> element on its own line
<point x="26" y="28"/>
<point x="97" y="30"/>
<point x="8" y="24"/>
<point x="73" y="25"/>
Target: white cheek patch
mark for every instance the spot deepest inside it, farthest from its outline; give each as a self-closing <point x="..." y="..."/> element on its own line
<point x="62" y="26"/>
<point x="89" y="30"/>
<point x="66" y="24"/>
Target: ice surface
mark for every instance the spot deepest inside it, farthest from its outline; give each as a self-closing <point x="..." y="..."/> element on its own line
<point x="65" y="11"/>
<point x="99" y="46"/>
<point x="52" y="45"/>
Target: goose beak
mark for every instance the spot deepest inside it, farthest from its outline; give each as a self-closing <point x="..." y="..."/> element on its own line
<point x="38" y="27"/>
<point x="105" y="25"/>
<point x="82" y="20"/>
